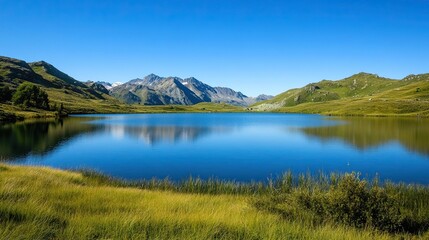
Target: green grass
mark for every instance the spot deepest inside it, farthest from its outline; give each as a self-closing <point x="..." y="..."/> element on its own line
<point x="44" y="203"/>
<point x="18" y="113"/>
<point x="363" y="107"/>
<point x="359" y="95"/>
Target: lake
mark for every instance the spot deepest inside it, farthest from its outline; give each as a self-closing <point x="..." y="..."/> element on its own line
<point x="231" y="146"/>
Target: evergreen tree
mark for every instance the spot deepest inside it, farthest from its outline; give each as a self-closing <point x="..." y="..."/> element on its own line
<point x="30" y="95"/>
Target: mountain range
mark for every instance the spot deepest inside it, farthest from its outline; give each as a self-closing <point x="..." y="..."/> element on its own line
<point x="156" y="90"/>
<point x="151" y="90"/>
<point x="360" y="94"/>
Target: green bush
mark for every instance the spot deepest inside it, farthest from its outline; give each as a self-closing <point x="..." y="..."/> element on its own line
<point x="30" y="95"/>
<point x="356" y="203"/>
<point x="346" y="200"/>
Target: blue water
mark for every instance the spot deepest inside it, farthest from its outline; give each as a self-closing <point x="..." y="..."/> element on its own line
<point x="242" y="147"/>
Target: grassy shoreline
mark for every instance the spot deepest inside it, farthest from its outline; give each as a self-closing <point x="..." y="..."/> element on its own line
<point x="10" y="113"/>
<point x="17" y="114"/>
<point x="46" y="203"/>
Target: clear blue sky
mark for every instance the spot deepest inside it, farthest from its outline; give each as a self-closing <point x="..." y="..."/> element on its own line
<point x="252" y="46"/>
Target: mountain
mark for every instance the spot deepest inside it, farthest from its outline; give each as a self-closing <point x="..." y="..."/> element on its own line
<point x="215" y="94"/>
<point x="156" y="90"/>
<point x="75" y="95"/>
<point x="52" y="74"/>
<point x="151" y="90"/>
<point x="14" y="72"/>
<point x="359" y="94"/>
<point x="263" y="97"/>
<point x="252" y="100"/>
<point x="94" y="97"/>
<point x="97" y="86"/>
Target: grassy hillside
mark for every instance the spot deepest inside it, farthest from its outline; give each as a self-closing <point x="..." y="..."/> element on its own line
<point x="61" y="88"/>
<point x="360" y="94"/>
<point x="14" y="72"/>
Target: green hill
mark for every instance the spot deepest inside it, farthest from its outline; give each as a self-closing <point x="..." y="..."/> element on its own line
<point x="360" y="94"/>
<point x="61" y="88"/>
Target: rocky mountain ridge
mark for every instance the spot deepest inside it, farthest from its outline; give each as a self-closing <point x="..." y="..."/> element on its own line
<point x="156" y="90"/>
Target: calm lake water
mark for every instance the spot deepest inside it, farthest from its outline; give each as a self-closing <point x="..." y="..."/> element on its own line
<point x="242" y="147"/>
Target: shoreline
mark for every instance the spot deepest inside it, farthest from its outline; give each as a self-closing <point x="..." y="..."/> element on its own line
<point x="23" y="115"/>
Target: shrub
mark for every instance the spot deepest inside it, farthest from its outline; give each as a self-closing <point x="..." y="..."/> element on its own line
<point x="354" y="202"/>
<point x="346" y="200"/>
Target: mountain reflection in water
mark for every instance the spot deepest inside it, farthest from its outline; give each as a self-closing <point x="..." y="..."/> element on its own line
<point x="157" y="134"/>
<point x="39" y="137"/>
<point x="364" y="133"/>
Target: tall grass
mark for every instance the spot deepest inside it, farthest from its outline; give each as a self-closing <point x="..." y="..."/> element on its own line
<point x="337" y="199"/>
<point x="191" y="185"/>
<point x="43" y="203"/>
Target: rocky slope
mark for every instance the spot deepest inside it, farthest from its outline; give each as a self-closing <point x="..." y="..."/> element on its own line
<point x="156" y="90"/>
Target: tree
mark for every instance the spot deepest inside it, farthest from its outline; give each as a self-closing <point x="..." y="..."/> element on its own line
<point x="30" y="95"/>
<point x="5" y="94"/>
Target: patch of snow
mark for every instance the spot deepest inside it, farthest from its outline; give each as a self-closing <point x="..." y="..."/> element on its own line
<point x="115" y="84"/>
<point x="184" y="83"/>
